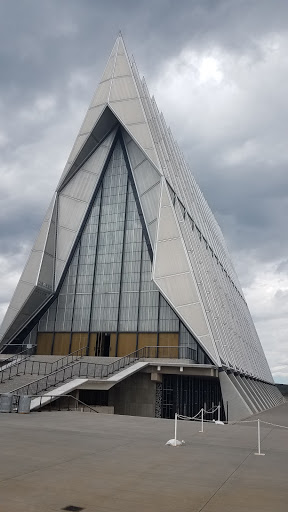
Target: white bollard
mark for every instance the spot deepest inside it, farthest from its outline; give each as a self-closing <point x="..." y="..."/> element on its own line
<point x="175" y="430"/>
<point x="175" y="442"/>
<point x="219" y="407"/>
<point x="202" y="421"/>
<point x="259" y="440"/>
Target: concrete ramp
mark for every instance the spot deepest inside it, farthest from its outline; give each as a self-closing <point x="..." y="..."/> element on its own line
<point x="108" y="383"/>
<point x="100" y="384"/>
<point x="65" y="389"/>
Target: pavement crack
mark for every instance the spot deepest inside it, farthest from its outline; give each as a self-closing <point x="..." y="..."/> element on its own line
<point x="231" y="474"/>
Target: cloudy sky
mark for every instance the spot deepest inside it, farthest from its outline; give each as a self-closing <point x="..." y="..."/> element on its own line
<point x="219" y="72"/>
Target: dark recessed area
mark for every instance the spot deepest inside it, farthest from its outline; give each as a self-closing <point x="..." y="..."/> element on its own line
<point x="73" y="508"/>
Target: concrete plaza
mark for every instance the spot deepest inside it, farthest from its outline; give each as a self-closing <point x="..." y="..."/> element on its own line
<point x="51" y="460"/>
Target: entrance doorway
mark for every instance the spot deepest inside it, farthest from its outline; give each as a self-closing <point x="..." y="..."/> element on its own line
<point x="102" y="347"/>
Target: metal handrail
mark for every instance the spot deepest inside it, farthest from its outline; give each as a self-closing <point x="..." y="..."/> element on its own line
<point x="73" y="354"/>
<point x="15" y="404"/>
<point x="16" y="356"/>
<point x="47" y="367"/>
<point x="94" y="370"/>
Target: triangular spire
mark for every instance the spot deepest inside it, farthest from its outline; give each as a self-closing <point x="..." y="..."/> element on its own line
<point x="118" y="92"/>
<point x="189" y="252"/>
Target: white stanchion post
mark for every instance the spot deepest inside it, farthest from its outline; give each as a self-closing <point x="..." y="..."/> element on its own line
<point x="219" y="411"/>
<point x="202" y="421"/>
<point x="175" y="431"/>
<point x="259" y="439"/>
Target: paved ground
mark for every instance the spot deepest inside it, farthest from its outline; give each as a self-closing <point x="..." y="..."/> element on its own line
<point x="104" y="463"/>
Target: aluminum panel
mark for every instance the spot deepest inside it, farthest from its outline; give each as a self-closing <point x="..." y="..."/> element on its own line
<point x="152" y="230"/>
<point x="101" y="94"/>
<point x="59" y="267"/>
<point x="46" y="274"/>
<point x="81" y="186"/>
<point x="7" y="321"/>
<point x="108" y="72"/>
<point x="126" y="136"/>
<point x="208" y="345"/>
<point x="32" y="267"/>
<point x="165" y="198"/>
<point x="51" y="238"/>
<point x="150" y="203"/>
<point x="65" y="171"/>
<point x="170" y="258"/>
<point x="121" y="47"/>
<point x="51" y="209"/>
<point x="15" y="319"/>
<point x="136" y="155"/>
<point x="122" y="66"/>
<point x="70" y="212"/>
<point x="77" y="146"/>
<point x="151" y="153"/>
<point x="179" y="288"/>
<point x="128" y="111"/>
<point x="141" y="133"/>
<point x="145" y="177"/>
<point x="97" y="160"/>
<point x="123" y="88"/>
<point x="40" y="241"/>
<point x="65" y="240"/>
<point x="91" y="118"/>
<point x="167" y="225"/>
<point x="21" y="294"/>
<point x="194" y="317"/>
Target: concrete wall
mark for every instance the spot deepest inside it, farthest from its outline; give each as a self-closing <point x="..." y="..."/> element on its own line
<point x="238" y="408"/>
<point x="135" y="396"/>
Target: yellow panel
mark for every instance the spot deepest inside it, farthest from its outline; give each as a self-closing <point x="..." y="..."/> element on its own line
<point x="44" y="343"/>
<point x="168" y="340"/>
<point x="61" y="343"/>
<point x="148" y="339"/>
<point x="92" y="343"/>
<point x="79" y="340"/>
<point x="126" y="343"/>
<point x="112" y="351"/>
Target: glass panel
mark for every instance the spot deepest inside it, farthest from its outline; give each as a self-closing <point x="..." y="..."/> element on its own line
<point x="111" y="267"/>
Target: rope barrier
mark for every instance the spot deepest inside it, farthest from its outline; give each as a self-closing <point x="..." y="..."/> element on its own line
<point x="182" y="417"/>
<point x="273" y="424"/>
<point x="211" y="412"/>
<point x="244" y="421"/>
<point x="255" y="421"/>
<point x="258" y="421"/>
<point x="175" y="442"/>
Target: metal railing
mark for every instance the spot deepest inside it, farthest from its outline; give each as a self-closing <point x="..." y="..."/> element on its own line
<point x="11" y="348"/>
<point x="14" y="358"/>
<point x="66" y="399"/>
<point x="102" y="371"/>
<point x="27" y="366"/>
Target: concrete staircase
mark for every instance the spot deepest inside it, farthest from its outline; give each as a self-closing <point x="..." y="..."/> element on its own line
<point x="33" y="368"/>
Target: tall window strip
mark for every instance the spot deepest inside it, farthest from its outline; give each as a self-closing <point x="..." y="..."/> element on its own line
<point x="108" y="286"/>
